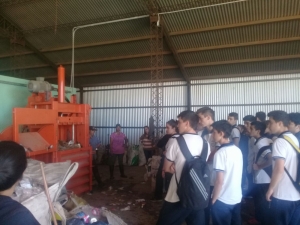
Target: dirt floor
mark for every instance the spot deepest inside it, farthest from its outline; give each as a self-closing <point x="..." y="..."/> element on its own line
<point x="123" y="193"/>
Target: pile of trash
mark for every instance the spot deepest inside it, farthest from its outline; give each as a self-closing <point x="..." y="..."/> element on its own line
<point x="78" y="212"/>
<point x="69" y="209"/>
<point x="32" y="183"/>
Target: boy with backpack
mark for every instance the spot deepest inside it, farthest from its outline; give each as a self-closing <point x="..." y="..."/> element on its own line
<point x="235" y="133"/>
<point x="283" y="193"/>
<point x="262" y="168"/>
<point x="294" y="124"/>
<point x="228" y="166"/>
<point x="206" y="119"/>
<point x="188" y="193"/>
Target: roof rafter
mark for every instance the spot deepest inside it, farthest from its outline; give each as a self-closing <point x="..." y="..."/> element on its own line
<point x="175" y="54"/>
<point x="13" y="31"/>
<point x="178" y="52"/>
<point x="244" y="24"/>
<point x="273" y="58"/>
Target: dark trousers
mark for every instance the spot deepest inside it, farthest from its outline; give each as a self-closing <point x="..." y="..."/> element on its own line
<point x="112" y="160"/>
<point x="244" y="178"/>
<point x="207" y="210"/>
<point x="148" y="154"/>
<point x="250" y="184"/>
<point x="262" y="211"/>
<point x="160" y="181"/>
<point x="96" y="171"/>
<point x="284" y="212"/>
<point x="224" y="214"/>
<point x="175" y="214"/>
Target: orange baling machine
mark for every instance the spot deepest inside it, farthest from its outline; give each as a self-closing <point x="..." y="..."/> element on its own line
<point x="53" y="130"/>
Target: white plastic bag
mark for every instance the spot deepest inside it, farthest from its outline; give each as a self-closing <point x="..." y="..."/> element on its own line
<point x="134" y="155"/>
<point x="142" y="158"/>
<point x="54" y="172"/>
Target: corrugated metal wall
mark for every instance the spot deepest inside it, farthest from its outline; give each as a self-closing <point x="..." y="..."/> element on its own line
<point x="130" y="106"/>
<point x="247" y="95"/>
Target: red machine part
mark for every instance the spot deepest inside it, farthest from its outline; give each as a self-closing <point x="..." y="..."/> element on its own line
<point x="56" y="121"/>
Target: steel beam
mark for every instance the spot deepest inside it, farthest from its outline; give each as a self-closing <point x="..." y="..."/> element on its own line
<point x="244" y="24"/>
<point x="16" y="36"/>
<point x="175" y="54"/>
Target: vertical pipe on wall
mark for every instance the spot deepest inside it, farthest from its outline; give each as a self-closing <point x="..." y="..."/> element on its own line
<point x="189" y="97"/>
<point x="61" y="84"/>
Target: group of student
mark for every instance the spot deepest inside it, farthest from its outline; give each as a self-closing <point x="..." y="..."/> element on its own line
<point x="258" y="159"/>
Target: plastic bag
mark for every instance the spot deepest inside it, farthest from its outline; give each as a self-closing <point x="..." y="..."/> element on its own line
<point x="54" y="172"/>
<point x="142" y="158"/>
<point x="134" y="156"/>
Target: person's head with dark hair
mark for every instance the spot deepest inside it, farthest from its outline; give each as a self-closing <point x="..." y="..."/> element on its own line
<point x="279" y="121"/>
<point x="13" y="163"/>
<point x="233" y="118"/>
<point x="261" y="116"/>
<point x="247" y="122"/>
<point x="118" y="128"/>
<point x="206" y="116"/>
<point x="187" y="122"/>
<point x="171" y="127"/>
<point x="146" y="130"/>
<point x="257" y="129"/>
<point x="294" y="123"/>
<point x="221" y="131"/>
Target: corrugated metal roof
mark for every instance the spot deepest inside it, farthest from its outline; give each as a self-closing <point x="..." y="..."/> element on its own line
<point x="240" y="12"/>
<point x="123" y="64"/>
<point x="43" y="13"/>
<point x="104" y="51"/>
<point x="244" y="68"/>
<point x="119" y="78"/>
<point x="269" y="31"/>
<point x="6" y="49"/>
<point x="122" y="30"/>
<point x="249" y="26"/>
<point x="248" y="52"/>
<point x="21" y="61"/>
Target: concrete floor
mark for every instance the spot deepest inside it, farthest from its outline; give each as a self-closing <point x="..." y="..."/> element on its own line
<point x="120" y="193"/>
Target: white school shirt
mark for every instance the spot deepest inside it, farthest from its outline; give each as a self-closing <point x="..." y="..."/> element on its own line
<point x="285" y="189"/>
<point x="174" y="154"/>
<point x="229" y="159"/>
<point x="235" y="133"/>
<point x="260" y="176"/>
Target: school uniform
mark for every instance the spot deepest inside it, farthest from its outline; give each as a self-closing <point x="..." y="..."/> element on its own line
<point x="213" y="147"/>
<point x="285" y="204"/>
<point x="235" y="133"/>
<point x="262" y="179"/>
<point x="251" y="154"/>
<point x="172" y="211"/>
<point x="226" y="210"/>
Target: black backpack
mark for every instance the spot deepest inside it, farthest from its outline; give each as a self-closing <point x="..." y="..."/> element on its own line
<point x="296" y="182"/>
<point x="268" y="169"/>
<point x="193" y="189"/>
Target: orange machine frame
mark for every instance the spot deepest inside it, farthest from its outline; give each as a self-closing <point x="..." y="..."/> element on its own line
<point x="56" y="120"/>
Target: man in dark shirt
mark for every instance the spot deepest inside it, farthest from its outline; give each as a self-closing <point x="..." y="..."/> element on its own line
<point x="294" y="124"/>
<point x="13" y="162"/>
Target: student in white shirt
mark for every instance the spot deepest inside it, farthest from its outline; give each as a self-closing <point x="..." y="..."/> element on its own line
<point x="262" y="168"/>
<point x="172" y="211"/>
<point x="283" y="196"/>
<point x="235" y="133"/>
<point x="228" y="165"/>
<point x="206" y="119"/>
